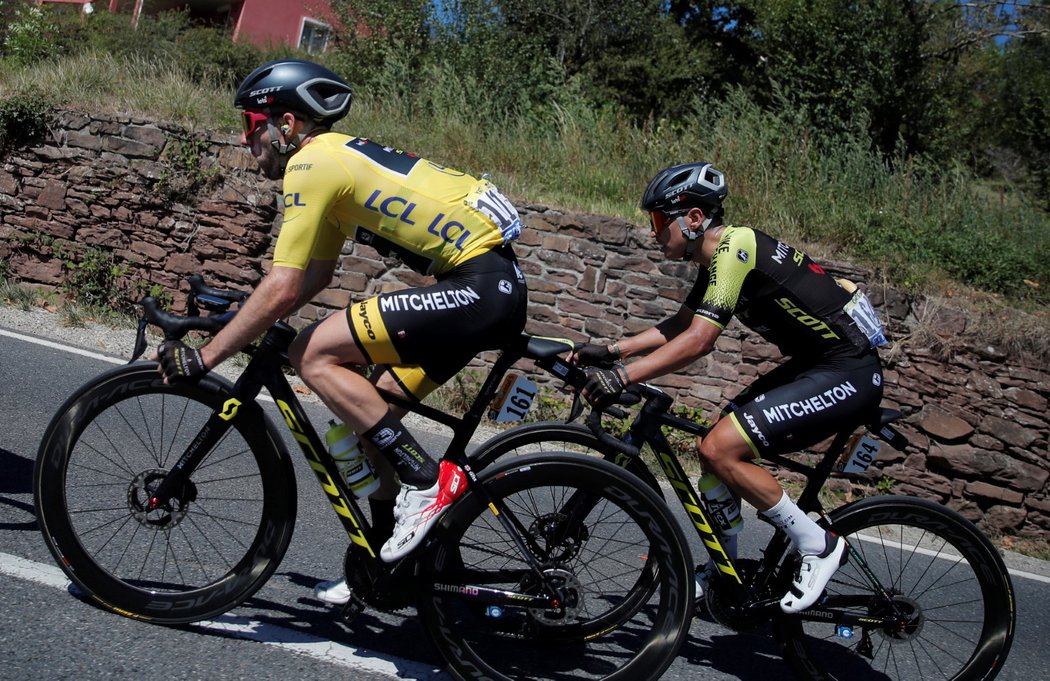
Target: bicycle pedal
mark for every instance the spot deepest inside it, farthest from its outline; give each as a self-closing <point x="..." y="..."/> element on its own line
<point x="351" y="609"/>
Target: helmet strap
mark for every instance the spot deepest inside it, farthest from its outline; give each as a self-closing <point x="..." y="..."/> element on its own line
<point x="691" y="237"/>
<point x="286" y="149"/>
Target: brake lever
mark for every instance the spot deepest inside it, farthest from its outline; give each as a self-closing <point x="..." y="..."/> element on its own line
<point x="594" y="423"/>
<point x="140" y="341"/>
<point x="576" y="408"/>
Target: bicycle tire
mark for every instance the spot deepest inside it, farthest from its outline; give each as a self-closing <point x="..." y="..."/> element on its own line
<point x="949" y="580"/>
<point x="103" y="449"/>
<point x="627" y="530"/>
<point x="555" y="436"/>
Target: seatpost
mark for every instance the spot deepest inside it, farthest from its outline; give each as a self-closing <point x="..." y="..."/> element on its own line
<point x="461" y="437"/>
<point x="809" y="499"/>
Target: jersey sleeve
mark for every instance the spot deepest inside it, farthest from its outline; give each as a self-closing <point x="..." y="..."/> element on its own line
<point x="313" y="183"/>
<point x="733" y="260"/>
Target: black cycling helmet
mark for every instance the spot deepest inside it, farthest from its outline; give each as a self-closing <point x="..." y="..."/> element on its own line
<point x="679" y="188"/>
<point x="298" y="86"/>
<point x="676" y="189"/>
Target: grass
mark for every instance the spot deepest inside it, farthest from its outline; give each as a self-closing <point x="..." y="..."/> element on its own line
<point x="915" y="224"/>
<point x="17" y="295"/>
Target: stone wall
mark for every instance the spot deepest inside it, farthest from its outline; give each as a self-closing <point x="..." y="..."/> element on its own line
<point x="978" y="422"/>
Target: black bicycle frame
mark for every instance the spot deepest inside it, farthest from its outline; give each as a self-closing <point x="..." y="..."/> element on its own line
<point x="264" y="370"/>
<point x="647" y="428"/>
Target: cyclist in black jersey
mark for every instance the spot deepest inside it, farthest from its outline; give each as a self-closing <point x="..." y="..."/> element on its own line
<point x="438" y="221"/>
<point x="826" y="328"/>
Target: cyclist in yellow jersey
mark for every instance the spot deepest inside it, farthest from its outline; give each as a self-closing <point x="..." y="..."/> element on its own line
<point x="438" y="221"/>
<point x="826" y="327"/>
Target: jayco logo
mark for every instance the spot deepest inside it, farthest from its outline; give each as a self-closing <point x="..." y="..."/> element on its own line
<point x="362" y="312"/>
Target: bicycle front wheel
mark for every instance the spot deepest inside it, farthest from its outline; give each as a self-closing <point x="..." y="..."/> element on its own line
<point x="950" y="608"/>
<point x="107" y="449"/>
<point x="593" y="531"/>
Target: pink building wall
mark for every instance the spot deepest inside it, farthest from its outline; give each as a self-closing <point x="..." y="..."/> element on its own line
<point x="263" y="23"/>
<point x="273" y="22"/>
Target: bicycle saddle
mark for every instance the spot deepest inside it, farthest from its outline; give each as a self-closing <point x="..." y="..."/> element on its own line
<point x="539" y="347"/>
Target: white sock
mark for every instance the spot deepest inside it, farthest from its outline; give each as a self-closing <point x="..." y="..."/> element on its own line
<point x="807" y="536"/>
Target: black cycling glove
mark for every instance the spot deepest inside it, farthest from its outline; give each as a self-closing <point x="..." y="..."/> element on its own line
<point x="603" y="386"/>
<point x="593" y="354"/>
<point x="180" y="362"/>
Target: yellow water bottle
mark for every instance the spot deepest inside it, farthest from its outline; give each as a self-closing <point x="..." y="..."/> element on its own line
<point x="345" y="448"/>
<point x="725" y="510"/>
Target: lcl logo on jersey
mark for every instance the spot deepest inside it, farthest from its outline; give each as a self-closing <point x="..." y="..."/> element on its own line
<point x="398" y="208"/>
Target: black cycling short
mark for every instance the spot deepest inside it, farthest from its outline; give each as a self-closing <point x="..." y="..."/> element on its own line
<point x="804" y="401"/>
<point x="426" y="335"/>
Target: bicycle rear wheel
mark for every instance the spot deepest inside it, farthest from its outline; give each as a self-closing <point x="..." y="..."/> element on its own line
<point x="104" y="452"/>
<point x="596" y="563"/>
<point x="554" y="437"/>
<point x="951" y="615"/>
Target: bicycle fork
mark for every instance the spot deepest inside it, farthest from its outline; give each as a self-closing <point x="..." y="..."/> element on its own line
<point x="176" y="485"/>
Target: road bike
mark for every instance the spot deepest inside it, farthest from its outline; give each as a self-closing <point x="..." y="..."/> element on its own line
<point x="923" y="595"/>
<point x="175" y="503"/>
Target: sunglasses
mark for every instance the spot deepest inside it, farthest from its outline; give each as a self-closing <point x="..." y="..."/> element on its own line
<point x="250" y="120"/>
<point x="660" y="221"/>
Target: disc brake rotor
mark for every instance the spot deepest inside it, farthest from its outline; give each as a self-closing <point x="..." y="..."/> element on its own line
<point x="164" y="517"/>
<point x="565" y="583"/>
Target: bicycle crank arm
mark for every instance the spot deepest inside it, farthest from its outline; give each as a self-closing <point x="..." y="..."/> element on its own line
<point x="840" y="618"/>
<point x="488" y="596"/>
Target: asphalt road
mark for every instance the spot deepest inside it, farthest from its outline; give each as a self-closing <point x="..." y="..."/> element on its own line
<point x="48" y="633"/>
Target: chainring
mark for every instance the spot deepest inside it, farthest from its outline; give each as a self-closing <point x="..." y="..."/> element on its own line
<point x="378" y="586"/>
<point x="727" y="613"/>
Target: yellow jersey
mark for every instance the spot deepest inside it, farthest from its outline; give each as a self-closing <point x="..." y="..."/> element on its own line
<point x="432" y="217"/>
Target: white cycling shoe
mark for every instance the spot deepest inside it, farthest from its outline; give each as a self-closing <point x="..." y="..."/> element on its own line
<point x="813" y="574"/>
<point x="703" y="576"/>
<point x="418" y="510"/>
<point x="335" y="592"/>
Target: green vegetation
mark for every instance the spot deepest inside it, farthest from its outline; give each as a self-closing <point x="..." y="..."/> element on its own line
<point x="186" y="175"/>
<point x="884" y="485"/>
<point x="16" y="295"/>
<point x="92" y="277"/>
<point x="924" y="152"/>
<point x="24" y="116"/>
<point x="845" y="161"/>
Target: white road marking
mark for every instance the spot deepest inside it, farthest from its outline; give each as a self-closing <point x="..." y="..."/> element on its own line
<point x="59" y="346"/>
<point x="83" y="353"/>
<point x="293" y="641"/>
<point x="944" y="555"/>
